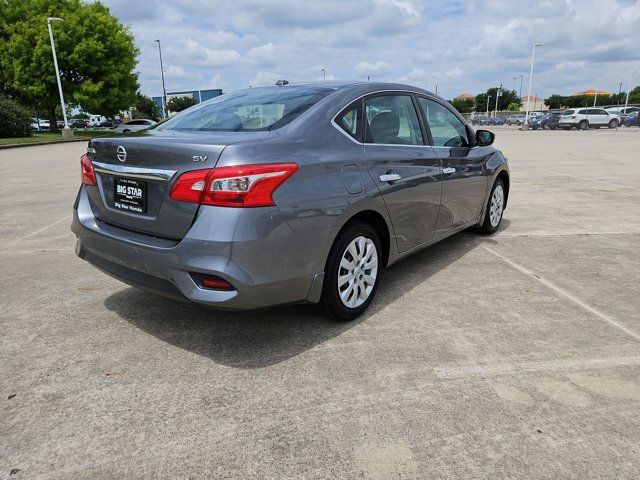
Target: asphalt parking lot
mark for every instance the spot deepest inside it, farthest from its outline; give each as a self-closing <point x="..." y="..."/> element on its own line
<point x="511" y="356"/>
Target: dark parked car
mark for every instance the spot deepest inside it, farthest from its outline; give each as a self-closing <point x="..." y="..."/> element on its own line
<point x="548" y="121"/>
<point x="296" y="193"/>
<point x="79" y="123"/>
<point x="631" y="120"/>
<point x="496" y="121"/>
<point x="480" y="120"/>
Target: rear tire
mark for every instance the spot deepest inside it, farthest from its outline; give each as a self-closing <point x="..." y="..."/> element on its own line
<point x="352" y="273"/>
<point x="583" y="125"/>
<point x="494" y="209"/>
<point x="613" y="124"/>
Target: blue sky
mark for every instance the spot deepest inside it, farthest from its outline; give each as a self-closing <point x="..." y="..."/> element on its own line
<point x="460" y="45"/>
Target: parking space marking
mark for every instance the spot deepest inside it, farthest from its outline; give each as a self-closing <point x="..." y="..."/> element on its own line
<point x="447" y="373"/>
<point x="38" y="250"/>
<point x="560" y="291"/>
<point x="33" y="234"/>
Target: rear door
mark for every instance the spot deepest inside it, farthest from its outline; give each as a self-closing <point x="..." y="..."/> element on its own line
<point x="403" y="166"/>
<point x="464" y="184"/>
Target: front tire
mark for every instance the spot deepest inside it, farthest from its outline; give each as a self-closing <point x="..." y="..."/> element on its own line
<point x="494" y="209"/>
<point x="352" y="272"/>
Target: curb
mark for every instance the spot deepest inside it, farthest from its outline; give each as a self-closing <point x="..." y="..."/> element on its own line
<point x="20" y="145"/>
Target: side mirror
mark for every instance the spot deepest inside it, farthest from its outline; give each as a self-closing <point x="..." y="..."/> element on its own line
<point x="484" y="137"/>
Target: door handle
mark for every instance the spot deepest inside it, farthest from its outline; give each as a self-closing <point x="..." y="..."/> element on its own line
<point x="448" y="170"/>
<point x="390" y="177"/>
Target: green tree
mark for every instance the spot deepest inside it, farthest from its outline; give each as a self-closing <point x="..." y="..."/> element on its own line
<point x="146" y="108"/>
<point x="15" y="120"/>
<point x="506" y="97"/>
<point x="513" y="107"/>
<point x="634" y="95"/>
<point x="464" y="105"/>
<point x="96" y="56"/>
<point x="177" y="104"/>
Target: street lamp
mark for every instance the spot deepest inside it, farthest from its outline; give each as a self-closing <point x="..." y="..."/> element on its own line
<point x="324" y="74"/>
<point x="521" y="77"/>
<point x="164" y="90"/>
<point x="533" y="54"/>
<point x="67" y="134"/>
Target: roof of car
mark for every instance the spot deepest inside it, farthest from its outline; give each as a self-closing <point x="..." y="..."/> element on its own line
<point x="368" y="86"/>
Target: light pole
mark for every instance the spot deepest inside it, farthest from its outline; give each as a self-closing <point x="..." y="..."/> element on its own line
<point x="164" y="90"/>
<point x="324" y="74"/>
<point x="533" y="54"/>
<point x="67" y="134"/>
<point x="199" y="91"/>
<point x="495" y="111"/>
<point x="626" y="102"/>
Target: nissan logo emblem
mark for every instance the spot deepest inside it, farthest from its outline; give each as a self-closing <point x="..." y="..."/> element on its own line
<point x="121" y="153"/>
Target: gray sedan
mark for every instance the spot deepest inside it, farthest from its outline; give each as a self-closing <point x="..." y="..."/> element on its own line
<point x="286" y="194"/>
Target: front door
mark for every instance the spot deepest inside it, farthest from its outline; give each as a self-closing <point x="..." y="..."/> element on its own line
<point x="464" y="185"/>
<point x="405" y="169"/>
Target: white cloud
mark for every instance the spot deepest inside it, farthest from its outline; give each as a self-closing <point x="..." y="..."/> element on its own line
<point x="462" y="45"/>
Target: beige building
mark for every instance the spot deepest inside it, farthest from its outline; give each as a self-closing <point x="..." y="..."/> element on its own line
<point x="532" y="103"/>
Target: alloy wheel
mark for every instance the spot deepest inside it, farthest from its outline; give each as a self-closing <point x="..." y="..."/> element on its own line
<point x="497" y="205"/>
<point x="358" y="272"/>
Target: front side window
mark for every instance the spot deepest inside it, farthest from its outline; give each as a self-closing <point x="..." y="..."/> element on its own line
<point x="446" y="129"/>
<point x="248" y="110"/>
<point x="392" y="119"/>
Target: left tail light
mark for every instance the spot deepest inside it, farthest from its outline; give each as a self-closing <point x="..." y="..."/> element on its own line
<point x="86" y="171"/>
<point x="235" y="186"/>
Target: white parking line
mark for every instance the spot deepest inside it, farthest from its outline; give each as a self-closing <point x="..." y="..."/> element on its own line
<point x="32" y="234"/>
<point x="532" y="367"/>
<point x="560" y="291"/>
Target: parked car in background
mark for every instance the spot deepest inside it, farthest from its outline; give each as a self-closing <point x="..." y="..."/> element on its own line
<point x="622" y="110"/>
<point x="134" y="125"/>
<point x="96" y="120"/>
<point x="496" y="121"/>
<point x="40" y="125"/>
<point x="585" y="118"/>
<point x="631" y="120"/>
<point x="105" y="124"/>
<point x="78" y="123"/>
<point x="515" y="119"/>
<point x="480" y="120"/>
<point x="235" y="204"/>
<point x="548" y="121"/>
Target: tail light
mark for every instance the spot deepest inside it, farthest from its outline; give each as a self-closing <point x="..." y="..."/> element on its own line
<point x="235" y="186"/>
<point x="573" y="117"/>
<point x="211" y="282"/>
<point x="87" y="174"/>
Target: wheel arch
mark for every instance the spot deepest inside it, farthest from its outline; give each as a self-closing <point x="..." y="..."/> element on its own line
<point x="379" y="224"/>
<point x="504" y="176"/>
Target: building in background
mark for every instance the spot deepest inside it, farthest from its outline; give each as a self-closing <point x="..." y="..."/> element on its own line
<point x="590" y="92"/>
<point x="532" y="104"/>
<point x="205" y="94"/>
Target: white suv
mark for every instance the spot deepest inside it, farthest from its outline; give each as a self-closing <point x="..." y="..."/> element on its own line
<point x="584" y="118"/>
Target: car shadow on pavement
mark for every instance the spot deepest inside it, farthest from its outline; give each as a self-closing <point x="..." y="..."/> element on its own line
<point x="259" y="338"/>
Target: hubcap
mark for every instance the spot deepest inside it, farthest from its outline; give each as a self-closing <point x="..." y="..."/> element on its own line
<point x="358" y="272"/>
<point x="497" y="205"/>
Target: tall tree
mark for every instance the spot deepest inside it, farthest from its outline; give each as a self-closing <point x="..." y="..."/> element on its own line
<point x="463" y="105"/>
<point x="506" y="97"/>
<point x="96" y="56"/>
<point x="177" y="104"/>
<point x="146" y="108"/>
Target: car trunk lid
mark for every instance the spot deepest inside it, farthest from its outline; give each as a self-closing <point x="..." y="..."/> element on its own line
<point x="134" y="175"/>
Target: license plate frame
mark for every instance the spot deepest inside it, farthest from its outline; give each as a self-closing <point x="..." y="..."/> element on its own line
<point x="130" y="195"/>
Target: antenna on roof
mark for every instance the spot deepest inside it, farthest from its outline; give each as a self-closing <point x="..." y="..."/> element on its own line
<point x="281" y="83"/>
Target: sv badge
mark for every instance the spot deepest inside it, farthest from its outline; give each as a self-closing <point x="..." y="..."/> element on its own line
<point x="199" y="158"/>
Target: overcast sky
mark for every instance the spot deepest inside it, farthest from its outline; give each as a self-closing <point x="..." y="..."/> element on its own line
<point x="460" y="45"/>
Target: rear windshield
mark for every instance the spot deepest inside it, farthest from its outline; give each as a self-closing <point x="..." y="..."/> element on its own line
<point x="568" y="112"/>
<point x="248" y="110"/>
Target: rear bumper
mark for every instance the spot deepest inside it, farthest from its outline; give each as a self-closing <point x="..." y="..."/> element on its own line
<point x="252" y="248"/>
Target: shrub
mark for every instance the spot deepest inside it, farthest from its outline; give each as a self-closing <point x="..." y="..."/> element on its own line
<point x="15" y="120"/>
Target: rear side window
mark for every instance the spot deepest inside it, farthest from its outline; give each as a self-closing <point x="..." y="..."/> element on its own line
<point x="581" y="112"/>
<point x="446" y="129"/>
<point x="248" y="110"/>
<point x="392" y="119"/>
<point x="567" y="112"/>
<point x="350" y="120"/>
